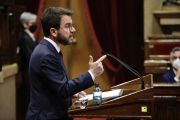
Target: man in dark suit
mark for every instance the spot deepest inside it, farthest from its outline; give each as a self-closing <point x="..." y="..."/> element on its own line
<point x="174" y="74"/>
<point x="27" y="44"/>
<point x="51" y="89"/>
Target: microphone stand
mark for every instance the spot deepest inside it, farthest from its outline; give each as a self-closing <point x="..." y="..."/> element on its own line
<point x="128" y="67"/>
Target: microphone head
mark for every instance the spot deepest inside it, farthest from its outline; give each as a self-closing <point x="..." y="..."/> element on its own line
<point x="104" y="53"/>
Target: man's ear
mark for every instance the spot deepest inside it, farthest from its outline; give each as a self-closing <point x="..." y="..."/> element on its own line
<point x="53" y="32"/>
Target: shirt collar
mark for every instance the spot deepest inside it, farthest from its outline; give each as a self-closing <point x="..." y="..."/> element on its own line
<point x="57" y="47"/>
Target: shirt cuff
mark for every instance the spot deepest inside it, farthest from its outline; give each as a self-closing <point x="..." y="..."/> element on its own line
<point x="91" y="75"/>
<point x="177" y="80"/>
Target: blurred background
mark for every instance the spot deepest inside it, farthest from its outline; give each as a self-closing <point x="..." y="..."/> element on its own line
<point x="141" y="33"/>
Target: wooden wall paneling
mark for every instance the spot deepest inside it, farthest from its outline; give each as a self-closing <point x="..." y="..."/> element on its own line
<point x="15" y="29"/>
<point x="4" y="36"/>
<point x="165" y="109"/>
<point x="6" y="2"/>
<point x="9" y="32"/>
<point x="166" y="101"/>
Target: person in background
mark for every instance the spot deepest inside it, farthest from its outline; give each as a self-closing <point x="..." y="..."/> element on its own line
<point x="27" y="43"/>
<point x="51" y="89"/>
<point x="174" y="74"/>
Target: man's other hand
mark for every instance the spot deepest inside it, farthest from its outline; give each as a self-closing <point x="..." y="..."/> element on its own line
<point x="79" y="94"/>
<point x="178" y="74"/>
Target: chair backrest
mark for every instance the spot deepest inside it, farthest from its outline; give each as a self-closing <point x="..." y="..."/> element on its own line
<point x="164" y="49"/>
<point x="160" y="45"/>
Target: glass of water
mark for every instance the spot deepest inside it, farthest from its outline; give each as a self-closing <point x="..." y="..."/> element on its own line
<point x="83" y="101"/>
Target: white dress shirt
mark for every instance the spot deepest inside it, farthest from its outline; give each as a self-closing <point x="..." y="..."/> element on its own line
<point x="176" y="79"/>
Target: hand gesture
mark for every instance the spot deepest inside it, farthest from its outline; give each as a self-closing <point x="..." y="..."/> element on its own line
<point x="178" y="73"/>
<point x="96" y="67"/>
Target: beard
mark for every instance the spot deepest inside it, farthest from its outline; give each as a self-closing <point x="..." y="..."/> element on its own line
<point x="63" y="40"/>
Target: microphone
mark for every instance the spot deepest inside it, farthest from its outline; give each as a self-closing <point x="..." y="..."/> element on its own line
<point x="128" y="67"/>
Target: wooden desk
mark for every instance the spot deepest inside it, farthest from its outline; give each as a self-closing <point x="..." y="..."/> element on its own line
<point x="166" y="101"/>
<point x="156" y="66"/>
<point x="159" y="57"/>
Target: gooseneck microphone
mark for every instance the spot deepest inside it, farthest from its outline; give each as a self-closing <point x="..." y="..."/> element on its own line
<point x="128" y="67"/>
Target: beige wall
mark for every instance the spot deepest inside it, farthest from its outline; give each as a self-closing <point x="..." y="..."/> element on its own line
<point x="151" y="25"/>
<point x="76" y="56"/>
<point x="8" y="99"/>
<point x="8" y="92"/>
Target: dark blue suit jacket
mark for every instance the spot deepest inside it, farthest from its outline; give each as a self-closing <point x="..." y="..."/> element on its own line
<point x="168" y="77"/>
<point x="51" y="89"/>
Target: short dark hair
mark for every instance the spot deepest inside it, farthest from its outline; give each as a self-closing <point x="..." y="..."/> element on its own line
<point x="174" y="50"/>
<point x="51" y="18"/>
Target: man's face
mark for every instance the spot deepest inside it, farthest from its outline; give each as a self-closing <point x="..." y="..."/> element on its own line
<point x="174" y="56"/>
<point x="66" y="31"/>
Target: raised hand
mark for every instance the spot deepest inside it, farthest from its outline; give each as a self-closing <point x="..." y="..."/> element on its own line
<point x="96" y="67"/>
<point x="178" y="73"/>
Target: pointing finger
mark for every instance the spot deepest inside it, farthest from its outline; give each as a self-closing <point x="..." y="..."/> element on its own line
<point x="101" y="58"/>
<point x="91" y="59"/>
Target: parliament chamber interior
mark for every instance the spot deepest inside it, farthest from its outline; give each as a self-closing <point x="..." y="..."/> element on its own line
<point x="139" y="32"/>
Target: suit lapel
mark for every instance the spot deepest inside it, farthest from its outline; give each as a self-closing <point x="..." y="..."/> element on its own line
<point x="172" y="74"/>
<point x="63" y="65"/>
<point x="60" y="58"/>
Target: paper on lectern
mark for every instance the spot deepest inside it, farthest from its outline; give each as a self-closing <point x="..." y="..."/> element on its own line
<point x="105" y="95"/>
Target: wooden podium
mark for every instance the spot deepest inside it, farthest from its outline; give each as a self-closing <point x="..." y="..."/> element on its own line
<point x="133" y="104"/>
